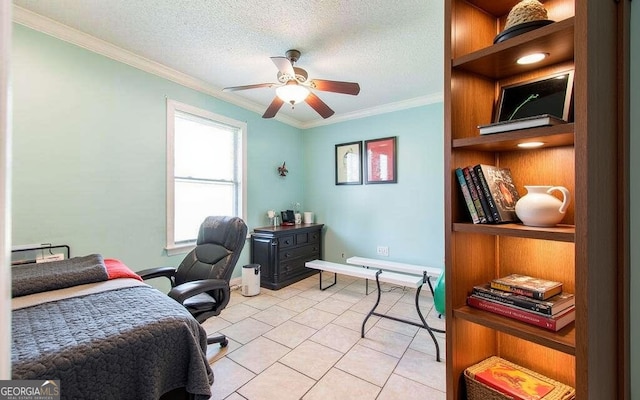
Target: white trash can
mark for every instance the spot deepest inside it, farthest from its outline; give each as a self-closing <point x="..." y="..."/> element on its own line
<point x="251" y="280"/>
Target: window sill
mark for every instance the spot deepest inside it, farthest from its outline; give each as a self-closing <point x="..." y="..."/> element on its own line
<point x="180" y="248"/>
<point x="184" y="248"/>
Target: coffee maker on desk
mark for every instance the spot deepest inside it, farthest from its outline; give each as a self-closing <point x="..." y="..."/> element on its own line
<point x="288" y="218"/>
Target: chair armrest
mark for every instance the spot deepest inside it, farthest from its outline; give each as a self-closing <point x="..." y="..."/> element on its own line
<point x="158" y="272"/>
<point x="189" y="289"/>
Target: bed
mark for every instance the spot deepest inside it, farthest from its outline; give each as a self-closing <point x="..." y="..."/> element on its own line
<point x="94" y="326"/>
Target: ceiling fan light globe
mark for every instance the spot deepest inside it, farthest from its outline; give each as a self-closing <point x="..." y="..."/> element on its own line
<point x="292" y="94"/>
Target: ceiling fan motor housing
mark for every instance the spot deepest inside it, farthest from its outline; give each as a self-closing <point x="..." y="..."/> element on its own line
<point x="292" y="55"/>
<point x="300" y="75"/>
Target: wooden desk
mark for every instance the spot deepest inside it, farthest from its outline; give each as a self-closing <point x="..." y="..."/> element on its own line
<point x="282" y="252"/>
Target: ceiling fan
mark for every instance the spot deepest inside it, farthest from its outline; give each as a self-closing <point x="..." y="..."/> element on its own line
<point x="295" y="88"/>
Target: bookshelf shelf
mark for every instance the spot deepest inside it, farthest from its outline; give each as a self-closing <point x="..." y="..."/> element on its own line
<point x="551" y="136"/>
<point x="560" y="233"/>
<point x="564" y="340"/>
<point x="498" y="61"/>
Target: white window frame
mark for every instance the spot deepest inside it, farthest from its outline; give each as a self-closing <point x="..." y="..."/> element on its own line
<point x="172" y="106"/>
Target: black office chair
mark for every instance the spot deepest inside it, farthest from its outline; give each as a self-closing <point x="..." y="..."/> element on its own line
<point x="201" y="281"/>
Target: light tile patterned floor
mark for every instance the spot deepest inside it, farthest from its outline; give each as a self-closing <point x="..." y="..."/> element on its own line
<point x="303" y="343"/>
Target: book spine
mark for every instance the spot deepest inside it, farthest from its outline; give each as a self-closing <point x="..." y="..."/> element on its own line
<point x="467" y="196"/>
<point x="483" y="202"/>
<point x="474" y="195"/>
<point x="493" y="210"/>
<point x="506" y="311"/>
<point x="517" y="302"/>
<point x="518" y="290"/>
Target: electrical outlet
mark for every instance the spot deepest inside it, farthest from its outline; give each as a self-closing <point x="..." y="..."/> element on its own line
<point x="383" y="251"/>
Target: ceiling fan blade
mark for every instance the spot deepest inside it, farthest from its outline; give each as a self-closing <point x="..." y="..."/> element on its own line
<point x="256" y="86"/>
<point x="320" y="106"/>
<point x="336" y="86"/>
<point x="284" y="65"/>
<point x="273" y="108"/>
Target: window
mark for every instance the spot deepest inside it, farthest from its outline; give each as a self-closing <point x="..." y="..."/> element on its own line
<point x="205" y="171"/>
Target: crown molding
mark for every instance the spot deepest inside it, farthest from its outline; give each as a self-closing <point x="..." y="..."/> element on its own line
<point x="383" y="109"/>
<point x="63" y="32"/>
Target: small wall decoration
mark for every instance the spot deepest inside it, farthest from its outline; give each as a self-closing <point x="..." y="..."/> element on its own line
<point x="282" y="170"/>
<point x="381" y="160"/>
<point x="349" y="163"/>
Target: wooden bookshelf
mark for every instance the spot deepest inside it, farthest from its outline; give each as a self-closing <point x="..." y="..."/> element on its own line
<point x="585" y="156"/>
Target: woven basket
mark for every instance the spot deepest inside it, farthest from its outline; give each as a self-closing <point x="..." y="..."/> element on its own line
<point x="479" y="391"/>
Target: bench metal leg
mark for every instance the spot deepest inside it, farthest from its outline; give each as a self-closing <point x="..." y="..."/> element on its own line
<point x="372" y="312"/>
<point x="366" y="284"/>
<point x="335" y="280"/>
<point x="426" y="326"/>
<point x="433" y="296"/>
<point x="424" y="322"/>
<point x="428" y="279"/>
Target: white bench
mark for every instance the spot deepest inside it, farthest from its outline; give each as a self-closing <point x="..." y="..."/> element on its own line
<point x="413" y="281"/>
<point x="422" y="270"/>
<point x="409" y="277"/>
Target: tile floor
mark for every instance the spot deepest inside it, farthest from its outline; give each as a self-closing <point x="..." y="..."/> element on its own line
<point x="303" y="343"/>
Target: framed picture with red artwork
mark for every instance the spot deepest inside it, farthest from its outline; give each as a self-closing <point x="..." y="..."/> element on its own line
<point x="381" y="160"/>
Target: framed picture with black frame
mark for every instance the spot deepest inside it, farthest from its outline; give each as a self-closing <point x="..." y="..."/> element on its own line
<point x="349" y="163"/>
<point x="546" y="95"/>
<point x="381" y="160"/>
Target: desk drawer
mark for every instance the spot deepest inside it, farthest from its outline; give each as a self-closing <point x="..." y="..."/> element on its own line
<point x="307" y="237"/>
<point x="286" y="241"/>
<point x="297" y="252"/>
<point x="292" y="268"/>
<point x="299" y="239"/>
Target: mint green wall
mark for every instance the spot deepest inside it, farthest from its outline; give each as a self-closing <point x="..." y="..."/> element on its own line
<point x="89" y="153"/>
<point x="635" y="199"/>
<point x="89" y="163"/>
<point x="407" y="216"/>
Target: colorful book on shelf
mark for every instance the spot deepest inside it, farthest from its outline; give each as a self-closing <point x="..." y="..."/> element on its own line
<point x="484" y="205"/>
<point x="529" y="286"/>
<point x="550" y="307"/>
<point x="500" y="190"/>
<point x="515" y="382"/>
<point x="467" y="196"/>
<point x="474" y="195"/>
<point x="521" y="123"/>
<point x="484" y="188"/>
<point x="554" y="323"/>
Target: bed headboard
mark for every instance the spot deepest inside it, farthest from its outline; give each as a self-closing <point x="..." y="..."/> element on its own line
<point x="36" y="253"/>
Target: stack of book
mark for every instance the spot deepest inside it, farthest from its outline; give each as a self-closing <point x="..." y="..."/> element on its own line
<point x="489" y="193"/>
<point x="532" y="300"/>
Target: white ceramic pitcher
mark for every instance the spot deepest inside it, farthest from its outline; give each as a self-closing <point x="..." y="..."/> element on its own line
<point x="539" y="208"/>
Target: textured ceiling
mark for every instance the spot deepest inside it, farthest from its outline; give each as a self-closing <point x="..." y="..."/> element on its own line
<point x="393" y="49"/>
